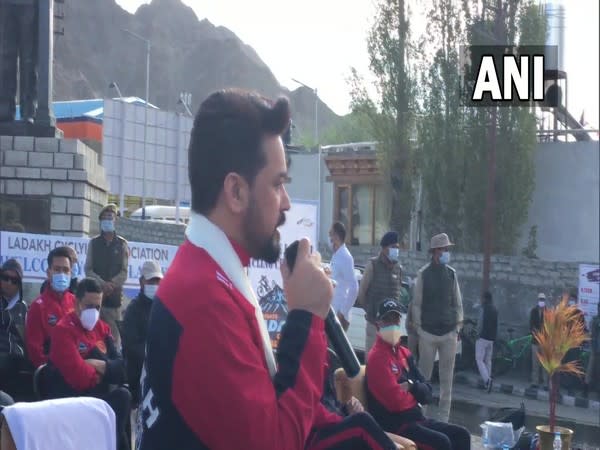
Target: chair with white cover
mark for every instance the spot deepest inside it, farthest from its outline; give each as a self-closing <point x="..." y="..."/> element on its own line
<point x="61" y="424"/>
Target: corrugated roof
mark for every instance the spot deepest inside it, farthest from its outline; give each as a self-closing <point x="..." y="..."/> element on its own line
<point x="92" y="108"/>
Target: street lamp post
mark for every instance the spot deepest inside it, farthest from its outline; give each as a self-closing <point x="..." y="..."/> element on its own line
<point x="314" y="90"/>
<point x="115" y="86"/>
<point x="148" y="45"/>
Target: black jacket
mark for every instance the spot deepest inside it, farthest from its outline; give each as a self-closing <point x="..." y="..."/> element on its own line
<point x="488" y="326"/>
<point x="133" y="334"/>
<point x="536" y="321"/>
<point x="12" y="331"/>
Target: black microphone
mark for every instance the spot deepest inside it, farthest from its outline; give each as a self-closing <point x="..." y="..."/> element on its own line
<point x="337" y="337"/>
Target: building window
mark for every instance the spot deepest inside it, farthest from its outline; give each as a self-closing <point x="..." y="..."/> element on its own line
<point x="360" y="199"/>
<point x="364" y="210"/>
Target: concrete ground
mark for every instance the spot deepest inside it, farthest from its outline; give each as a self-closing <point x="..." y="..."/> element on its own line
<point x="472" y="406"/>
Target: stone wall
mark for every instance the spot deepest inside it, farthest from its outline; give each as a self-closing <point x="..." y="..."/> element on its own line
<point x="156" y="232"/>
<point x="514" y="281"/>
<point x="64" y="170"/>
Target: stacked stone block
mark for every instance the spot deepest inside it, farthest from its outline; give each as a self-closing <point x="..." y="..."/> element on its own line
<point x="65" y="170"/>
<point x="155" y="232"/>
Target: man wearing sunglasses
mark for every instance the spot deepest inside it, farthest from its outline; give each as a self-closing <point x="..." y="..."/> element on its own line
<point x="12" y="326"/>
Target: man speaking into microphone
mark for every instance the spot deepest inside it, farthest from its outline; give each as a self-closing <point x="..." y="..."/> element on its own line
<point x="210" y="379"/>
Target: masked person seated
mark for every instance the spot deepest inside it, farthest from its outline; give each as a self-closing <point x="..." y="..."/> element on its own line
<point x="14" y="366"/>
<point x="355" y="421"/>
<point x="396" y="389"/>
<point x="74" y="271"/>
<point x="55" y="302"/>
<point x="84" y="360"/>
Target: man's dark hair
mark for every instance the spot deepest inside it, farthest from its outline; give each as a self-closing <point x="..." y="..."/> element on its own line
<point x="87" y="285"/>
<point x="58" y="252"/>
<point x="340" y="230"/>
<point x="487" y="296"/>
<point x="227" y="137"/>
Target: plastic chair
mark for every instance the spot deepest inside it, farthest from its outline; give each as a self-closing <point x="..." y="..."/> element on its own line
<point x="38" y="382"/>
<point x="346" y="388"/>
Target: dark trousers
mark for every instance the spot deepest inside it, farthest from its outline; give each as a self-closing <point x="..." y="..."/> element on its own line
<point x="434" y="435"/>
<point x="16" y="379"/>
<point x="119" y="400"/>
<point x="356" y="432"/>
<point x="18" y="42"/>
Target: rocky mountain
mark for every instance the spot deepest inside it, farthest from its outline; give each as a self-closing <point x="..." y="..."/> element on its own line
<point x="187" y="54"/>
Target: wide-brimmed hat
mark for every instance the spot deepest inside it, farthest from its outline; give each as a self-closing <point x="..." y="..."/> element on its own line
<point x="440" y="241"/>
<point x="541" y="296"/>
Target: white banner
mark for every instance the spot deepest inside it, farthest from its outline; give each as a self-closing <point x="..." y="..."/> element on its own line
<point x="301" y="221"/>
<point x="31" y="250"/>
<point x="589" y="290"/>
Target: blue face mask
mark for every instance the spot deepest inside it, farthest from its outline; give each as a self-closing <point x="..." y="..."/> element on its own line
<point x="445" y="258"/>
<point x="107" y="226"/>
<point x="74" y="271"/>
<point x="150" y="290"/>
<point x="60" y="282"/>
<point x="394" y="254"/>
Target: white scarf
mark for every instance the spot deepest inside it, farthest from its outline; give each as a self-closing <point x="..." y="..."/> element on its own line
<point x="204" y="234"/>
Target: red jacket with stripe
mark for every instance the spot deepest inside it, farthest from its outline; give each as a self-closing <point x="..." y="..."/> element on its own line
<point x="205" y="382"/>
<point x="43" y="315"/>
<point x="387" y="367"/>
<point x="72" y="345"/>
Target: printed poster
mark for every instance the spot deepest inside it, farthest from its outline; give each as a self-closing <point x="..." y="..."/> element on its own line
<point x="589" y="290"/>
<point x="301" y="221"/>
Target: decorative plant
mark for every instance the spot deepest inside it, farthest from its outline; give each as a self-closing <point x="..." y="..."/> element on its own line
<point x="562" y="331"/>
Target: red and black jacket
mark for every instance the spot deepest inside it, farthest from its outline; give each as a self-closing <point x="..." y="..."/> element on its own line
<point x="43" y="315"/>
<point x="68" y="373"/>
<point x="387" y="367"/>
<point x="205" y="382"/>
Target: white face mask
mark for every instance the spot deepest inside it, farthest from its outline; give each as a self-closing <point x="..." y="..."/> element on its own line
<point x="390" y="334"/>
<point x="541" y="304"/>
<point x="89" y="317"/>
<point x="150" y="290"/>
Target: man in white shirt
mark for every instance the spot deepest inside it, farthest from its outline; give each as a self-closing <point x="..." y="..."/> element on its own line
<point x="342" y="272"/>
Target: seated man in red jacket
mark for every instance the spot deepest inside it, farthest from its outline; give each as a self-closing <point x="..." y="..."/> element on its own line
<point x="84" y="360"/>
<point x="53" y="304"/>
<point x="396" y="389"/>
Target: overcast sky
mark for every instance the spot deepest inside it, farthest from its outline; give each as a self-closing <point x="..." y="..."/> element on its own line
<point x="317" y="41"/>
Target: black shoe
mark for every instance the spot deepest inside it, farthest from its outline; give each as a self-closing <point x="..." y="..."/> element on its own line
<point x="489" y="385"/>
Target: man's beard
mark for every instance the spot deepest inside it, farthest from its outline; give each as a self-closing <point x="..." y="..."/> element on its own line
<point x="267" y="250"/>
